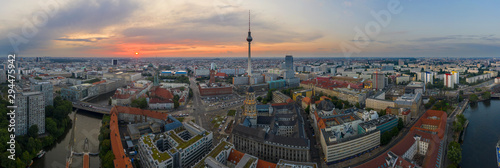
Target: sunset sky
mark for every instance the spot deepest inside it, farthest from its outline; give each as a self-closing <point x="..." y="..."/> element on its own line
<point x="218" y="28"/>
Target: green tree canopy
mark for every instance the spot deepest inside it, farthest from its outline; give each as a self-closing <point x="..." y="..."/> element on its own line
<point x="33" y="131"/>
<point x="139" y="103"/>
<point x="473" y="98"/>
<point x="455" y="152"/>
<point x="486" y="95"/>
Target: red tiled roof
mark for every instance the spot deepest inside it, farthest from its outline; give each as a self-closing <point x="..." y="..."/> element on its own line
<point x="220" y="74"/>
<point x="440" y="123"/>
<point x="116" y="143"/>
<point x="162" y="93"/>
<point x="279" y="104"/>
<point x="306" y="100"/>
<point x="138" y="111"/>
<point x="121" y="96"/>
<point x="402" y="146"/>
<point x="235" y="156"/>
<point x="95" y="83"/>
<point x="265" y="164"/>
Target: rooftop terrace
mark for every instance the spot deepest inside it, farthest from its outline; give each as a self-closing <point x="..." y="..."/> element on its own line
<point x="157" y="155"/>
<point x="213" y="153"/>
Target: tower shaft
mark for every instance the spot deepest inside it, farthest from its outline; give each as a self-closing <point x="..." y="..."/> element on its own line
<point x="249" y="60"/>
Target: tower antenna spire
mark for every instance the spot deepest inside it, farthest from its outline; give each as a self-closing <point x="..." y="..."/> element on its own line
<point x="248" y="20"/>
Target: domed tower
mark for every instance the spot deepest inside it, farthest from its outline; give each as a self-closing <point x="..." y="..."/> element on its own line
<point x="249" y="39"/>
<point x="250" y="108"/>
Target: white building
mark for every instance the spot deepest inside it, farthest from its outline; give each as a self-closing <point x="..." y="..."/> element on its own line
<point x="429" y="77"/>
<point x="181" y="147"/>
<point x="456" y="76"/>
<point x="449" y="80"/>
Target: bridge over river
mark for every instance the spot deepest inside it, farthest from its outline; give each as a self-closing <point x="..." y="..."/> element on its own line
<point x="92" y="107"/>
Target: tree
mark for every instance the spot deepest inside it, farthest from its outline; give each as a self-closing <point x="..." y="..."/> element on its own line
<point x="176" y="104"/>
<point x="381" y="113"/>
<point x="33" y="145"/>
<point x="455" y="152"/>
<point x="33" y="131"/>
<point x="357" y="105"/>
<point x="461" y="118"/>
<point x="486" y="95"/>
<point x="107" y="160"/>
<point x="457" y="126"/>
<point x="60" y="112"/>
<point x="139" y="103"/>
<point x="50" y="125"/>
<point x="259" y="99"/>
<point x="106" y="145"/>
<point x="25" y="158"/>
<point x="5" y="161"/>
<point x="176" y="101"/>
<point x="473" y="98"/>
<point x="400" y="123"/>
<point x="49" y="110"/>
<point x="270" y="95"/>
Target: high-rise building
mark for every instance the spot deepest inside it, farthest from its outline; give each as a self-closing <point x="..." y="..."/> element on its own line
<point x="250" y="108"/>
<point x="379" y="80"/>
<point x="456" y="76"/>
<point x="114" y="62"/>
<point x="3" y="76"/>
<point x="289" y="72"/>
<point x="291" y="80"/>
<point x="47" y="89"/>
<point x="429" y="77"/>
<point x="289" y="62"/>
<point x="30" y="111"/>
<point x="249" y="39"/>
<point x="449" y="80"/>
<point x="401" y="62"/>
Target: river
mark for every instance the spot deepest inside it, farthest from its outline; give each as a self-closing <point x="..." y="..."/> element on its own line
<point x="87" y="126"/>
<point x="482" y="134"/>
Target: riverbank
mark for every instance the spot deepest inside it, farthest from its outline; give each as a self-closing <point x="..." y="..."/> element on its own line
<point x="478" y="148"/>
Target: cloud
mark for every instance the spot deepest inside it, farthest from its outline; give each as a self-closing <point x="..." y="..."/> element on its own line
<point x="95" y="39"/>
<point x="457" y="37"/>
<point x="75" y="17"/>
<point x="347" y="3"/>
<point x="443" y="49"/>
<point x="210" y="28"/>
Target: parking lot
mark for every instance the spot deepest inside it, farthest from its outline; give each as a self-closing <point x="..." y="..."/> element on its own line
<point x="222" y="101"/>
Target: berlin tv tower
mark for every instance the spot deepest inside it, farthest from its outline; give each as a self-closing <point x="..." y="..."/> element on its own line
<point x="249" y="39"/>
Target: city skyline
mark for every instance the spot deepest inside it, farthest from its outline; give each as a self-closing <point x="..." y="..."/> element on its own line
<point x="218" y="29"/>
